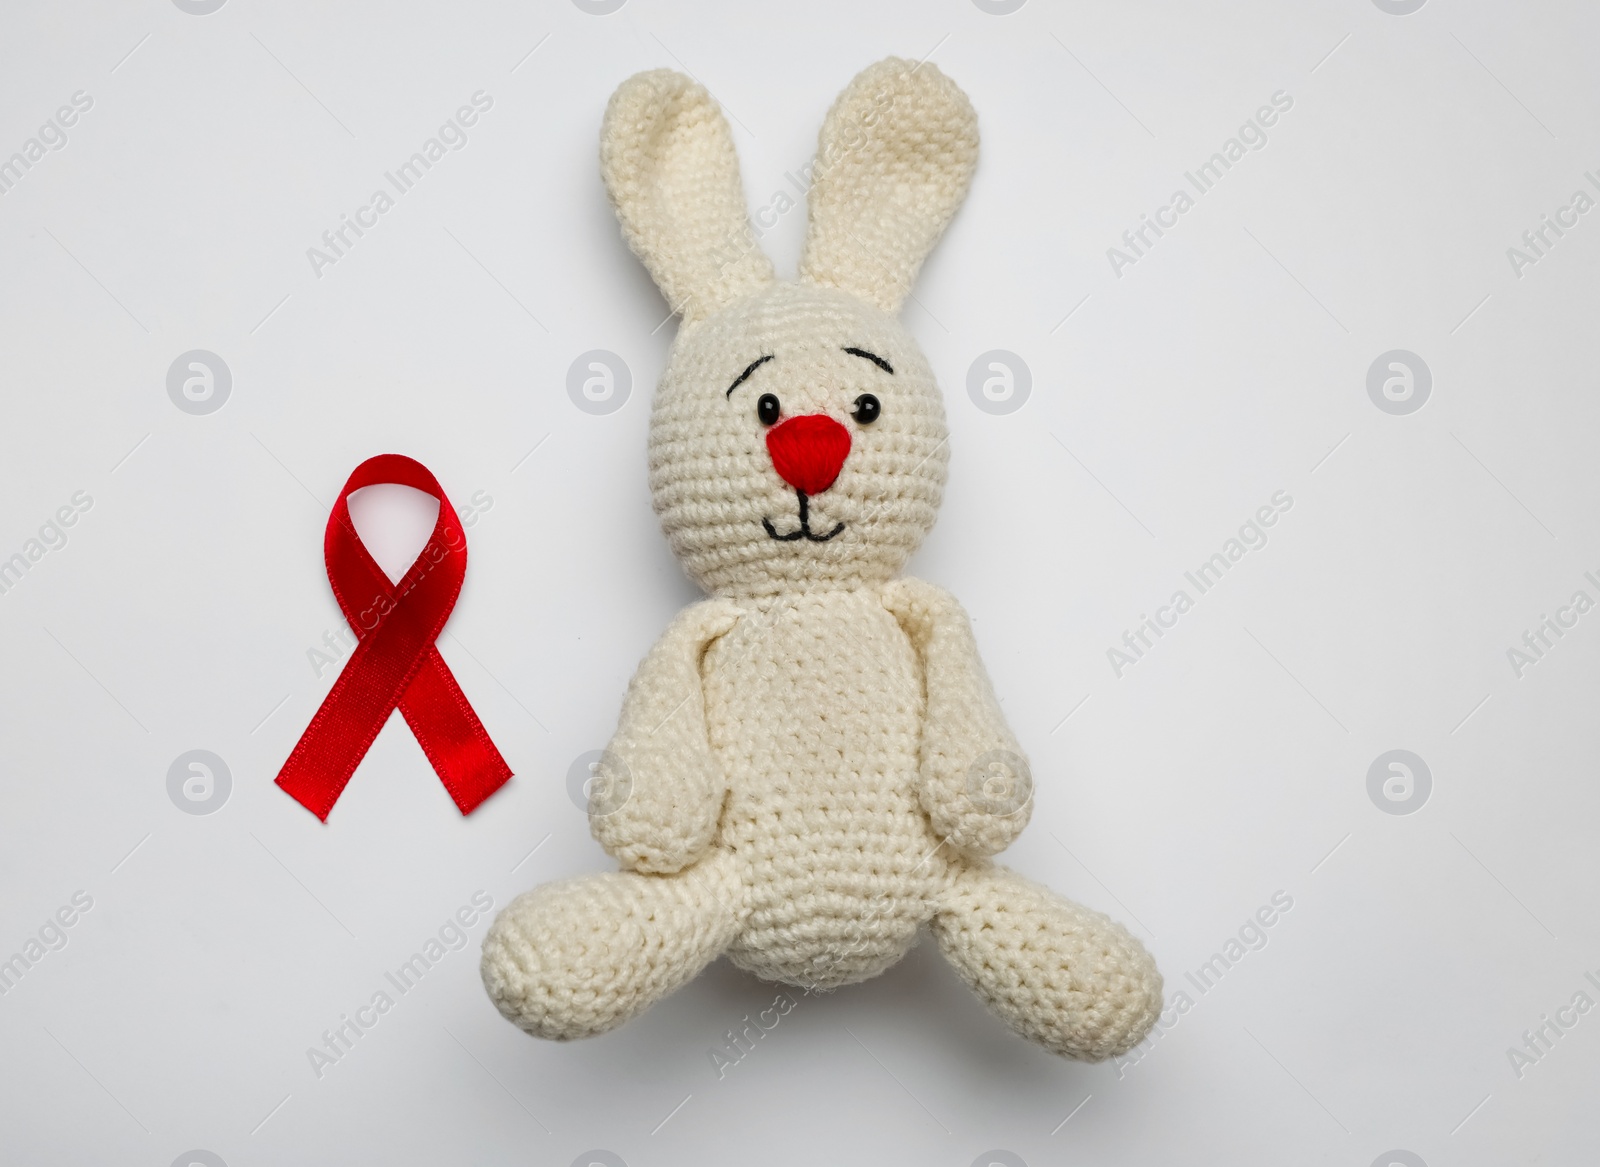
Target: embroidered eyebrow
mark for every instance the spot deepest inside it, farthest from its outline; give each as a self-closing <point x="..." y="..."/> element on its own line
<point x="744" y="376"/>
<point x="873" y="357"/>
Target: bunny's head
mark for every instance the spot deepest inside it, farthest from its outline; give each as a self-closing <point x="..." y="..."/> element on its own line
<point x="797" y="438"/>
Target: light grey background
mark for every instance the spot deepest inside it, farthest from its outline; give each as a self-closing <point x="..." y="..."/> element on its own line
<point x="1169" y="401"/>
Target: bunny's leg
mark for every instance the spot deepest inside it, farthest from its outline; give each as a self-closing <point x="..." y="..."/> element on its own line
<point x="1056" y="972"/>
<point x="581" y="956"/>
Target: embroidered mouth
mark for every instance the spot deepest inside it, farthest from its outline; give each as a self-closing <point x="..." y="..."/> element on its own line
<point x="804" y="531"/>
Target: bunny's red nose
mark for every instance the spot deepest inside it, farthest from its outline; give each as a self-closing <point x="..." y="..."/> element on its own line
<point x="808" y="451"/>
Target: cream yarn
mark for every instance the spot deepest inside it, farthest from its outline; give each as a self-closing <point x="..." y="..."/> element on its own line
<point x="810" y="764"/>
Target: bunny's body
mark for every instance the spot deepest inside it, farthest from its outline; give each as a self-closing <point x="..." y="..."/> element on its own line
<point x="810" y="764"/>
<point x="819" y="731"/>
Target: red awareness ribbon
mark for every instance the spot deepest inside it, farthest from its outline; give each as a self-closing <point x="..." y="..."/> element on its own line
<point x="396" y="662"/>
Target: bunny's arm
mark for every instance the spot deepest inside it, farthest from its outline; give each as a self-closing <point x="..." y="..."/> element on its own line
<point x="658" y="790"/>
<point x="974" y="783"/>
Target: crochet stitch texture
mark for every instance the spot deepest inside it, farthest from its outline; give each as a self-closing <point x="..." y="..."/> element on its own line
<point x="811" y="763"/>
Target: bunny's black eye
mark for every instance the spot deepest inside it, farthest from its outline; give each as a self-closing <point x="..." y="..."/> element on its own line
<point x="767" y="408"/>
<point x="866" y="409"/>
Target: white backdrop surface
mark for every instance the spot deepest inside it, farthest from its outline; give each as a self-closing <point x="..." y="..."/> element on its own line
<point x="1438" y="915"/>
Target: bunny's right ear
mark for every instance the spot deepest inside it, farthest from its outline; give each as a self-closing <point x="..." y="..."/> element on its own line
<point x="667" y="158"/>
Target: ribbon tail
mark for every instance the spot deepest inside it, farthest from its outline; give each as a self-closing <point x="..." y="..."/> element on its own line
<point x="330" y="749"/>
<point x="333" y="745"/>
<point x="451" y="735"/>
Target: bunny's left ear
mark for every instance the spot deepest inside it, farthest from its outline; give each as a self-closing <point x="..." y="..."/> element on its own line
<point x="894" y="161"/>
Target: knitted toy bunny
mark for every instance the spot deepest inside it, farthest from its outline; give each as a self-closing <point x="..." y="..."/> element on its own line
<point x="811" y="763"/>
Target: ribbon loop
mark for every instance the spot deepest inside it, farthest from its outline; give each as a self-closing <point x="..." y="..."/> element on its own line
<point x="396" y="663"/>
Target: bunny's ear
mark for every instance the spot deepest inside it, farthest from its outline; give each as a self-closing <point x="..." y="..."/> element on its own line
<point x="667" y="158"/>
<point x="894" y="160"/>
